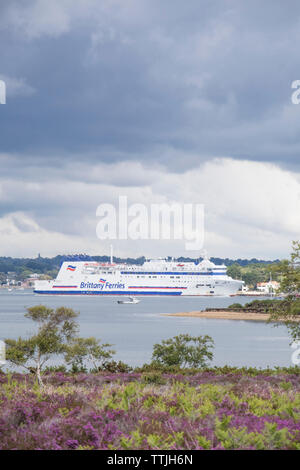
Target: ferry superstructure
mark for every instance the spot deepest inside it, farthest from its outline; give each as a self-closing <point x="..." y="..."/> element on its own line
<point x="154" y="277"/>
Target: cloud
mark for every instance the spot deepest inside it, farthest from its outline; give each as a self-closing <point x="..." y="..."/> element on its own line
<point x="16" y="86"/>
<point x="251" y="208"/>
<point x="36" y="18"/>
<point x="21" y="236"/>
<point x="140" y="80"/>
<point x="160" y="101"/>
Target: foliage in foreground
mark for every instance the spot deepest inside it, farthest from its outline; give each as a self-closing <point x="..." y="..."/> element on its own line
<point x="207" y="410"/>
<point x="56" y="328"/>
<point x="56" y="335"/>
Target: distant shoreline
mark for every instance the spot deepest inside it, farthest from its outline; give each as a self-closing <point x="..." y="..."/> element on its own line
<point x="223" y="315"/>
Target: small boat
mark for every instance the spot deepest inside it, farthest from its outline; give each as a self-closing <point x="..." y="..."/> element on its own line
<point x="131" y="300"/>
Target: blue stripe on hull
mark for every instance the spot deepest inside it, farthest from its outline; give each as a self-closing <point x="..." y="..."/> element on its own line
<point x="129" y="293"/>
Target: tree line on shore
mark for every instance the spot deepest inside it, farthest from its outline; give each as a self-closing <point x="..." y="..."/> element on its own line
<point x="251" y="271"/>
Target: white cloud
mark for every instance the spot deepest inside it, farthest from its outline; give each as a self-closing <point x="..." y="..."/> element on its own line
<point x="16" y="86"/>
<point x="20" y="235"/>
<point x="36" y="18"/>
<point x="251" y="209"/>
<point x="257" y="194"/>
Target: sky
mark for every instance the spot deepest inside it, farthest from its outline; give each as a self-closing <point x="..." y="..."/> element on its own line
<point x="164" y="102"/>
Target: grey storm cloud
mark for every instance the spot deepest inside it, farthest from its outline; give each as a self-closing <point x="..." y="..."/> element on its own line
<point x="207" y="78"/>
<point x="162" y="101"/>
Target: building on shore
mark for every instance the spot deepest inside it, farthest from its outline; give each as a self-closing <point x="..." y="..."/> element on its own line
<point x="268" y="287"/>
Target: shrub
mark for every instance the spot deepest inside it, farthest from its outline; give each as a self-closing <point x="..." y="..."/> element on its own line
<point x="184" y="351"/>
<point x="154" y="378"/>
<point x="236" y="305"/>
<point x="115" y="367"/>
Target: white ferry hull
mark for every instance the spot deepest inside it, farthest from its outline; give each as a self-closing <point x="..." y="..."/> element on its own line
<point x="151" y="279"/>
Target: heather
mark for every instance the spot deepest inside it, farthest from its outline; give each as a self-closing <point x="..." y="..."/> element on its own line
<point x="223" y="408"/>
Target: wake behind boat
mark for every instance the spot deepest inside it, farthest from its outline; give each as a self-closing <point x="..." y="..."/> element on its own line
<point x="130" y="300"/>
<point x="154" y="277"/>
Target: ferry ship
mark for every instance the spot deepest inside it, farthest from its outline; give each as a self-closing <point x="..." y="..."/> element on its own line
<point x="154" y="277"/>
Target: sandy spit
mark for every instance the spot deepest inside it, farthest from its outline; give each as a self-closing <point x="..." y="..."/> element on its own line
<point x="224" y="315"/>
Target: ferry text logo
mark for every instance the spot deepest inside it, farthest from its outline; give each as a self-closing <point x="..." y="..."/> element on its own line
<point x="158" y="222"/>
<point x="2" y="92"/>
<point x="101" y="285"/>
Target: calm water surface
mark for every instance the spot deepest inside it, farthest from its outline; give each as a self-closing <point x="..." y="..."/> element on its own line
<point x="133" y="329"/>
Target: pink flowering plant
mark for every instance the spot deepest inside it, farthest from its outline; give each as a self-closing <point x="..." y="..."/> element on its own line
<point x="209" y="409"/>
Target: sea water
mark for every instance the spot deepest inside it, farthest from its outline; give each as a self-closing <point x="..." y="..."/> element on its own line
<point x="133" y="329"/>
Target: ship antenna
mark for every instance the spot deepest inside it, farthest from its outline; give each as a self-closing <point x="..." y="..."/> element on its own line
<point x="204" y="254"/>
<point x="111" y="254"/>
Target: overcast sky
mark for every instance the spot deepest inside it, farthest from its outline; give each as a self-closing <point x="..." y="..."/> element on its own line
<point x="162" y="101"/>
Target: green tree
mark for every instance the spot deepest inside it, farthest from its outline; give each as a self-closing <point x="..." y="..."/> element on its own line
<point x="251" y="278"/>
<point x="234" y="271"/>
<point x="184" y="351"/>
<point x="25" y="273"/>
<point x="290" y="285"/>
<point x="56" y="328"/>
<point x="290" y="271"/>
<point x="81" y="352"/>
